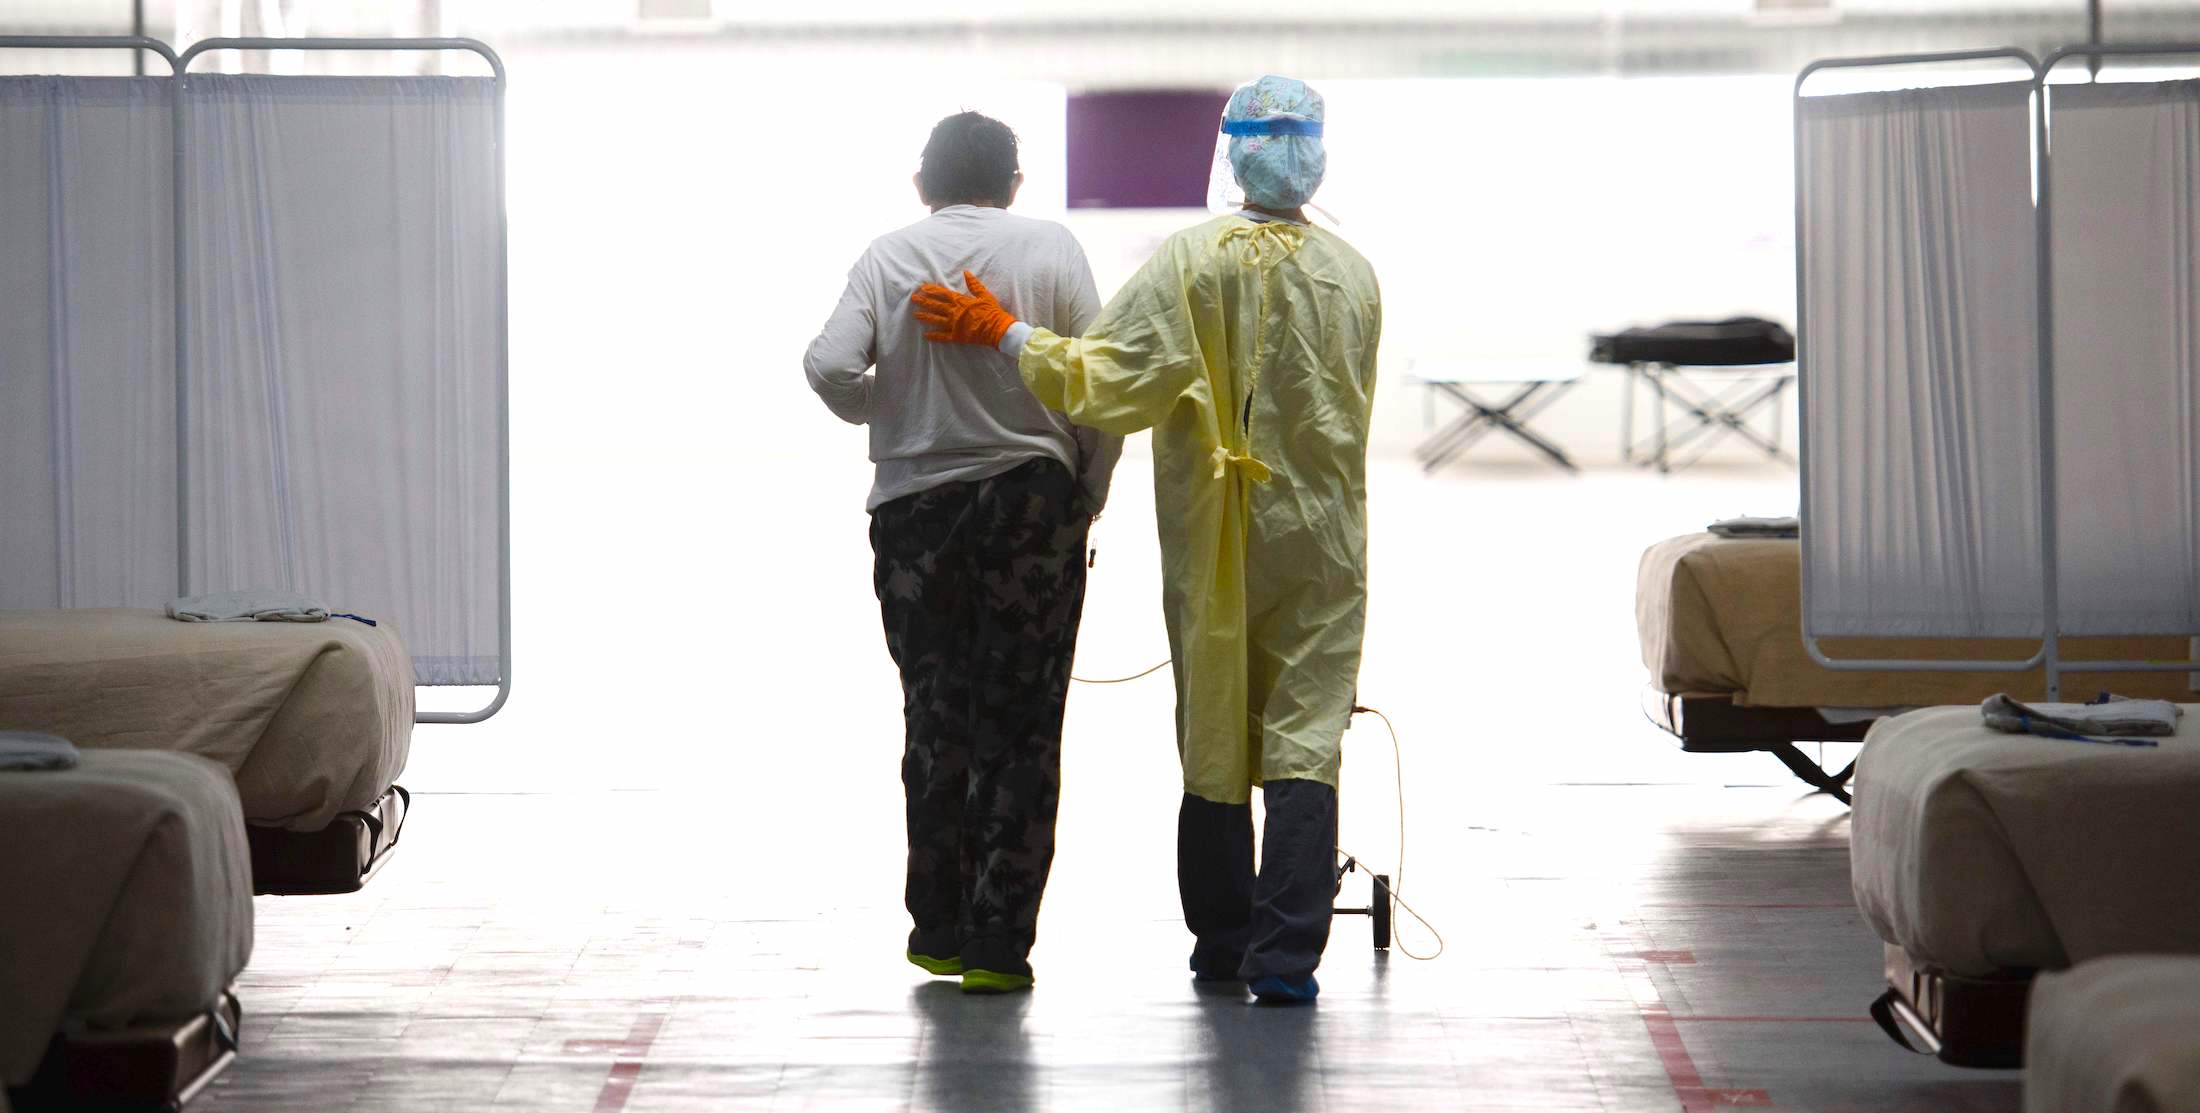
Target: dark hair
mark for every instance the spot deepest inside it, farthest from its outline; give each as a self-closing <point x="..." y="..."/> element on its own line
<point x="970" y="158"/>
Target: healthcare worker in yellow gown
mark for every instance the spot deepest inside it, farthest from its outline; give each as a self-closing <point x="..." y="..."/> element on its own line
<point x="1247" y="344"/>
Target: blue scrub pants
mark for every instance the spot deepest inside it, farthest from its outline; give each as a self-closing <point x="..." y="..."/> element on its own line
<point x="1276" y="922"/>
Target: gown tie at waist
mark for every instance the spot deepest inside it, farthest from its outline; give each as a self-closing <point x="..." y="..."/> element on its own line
<point x="1244" y="462"/>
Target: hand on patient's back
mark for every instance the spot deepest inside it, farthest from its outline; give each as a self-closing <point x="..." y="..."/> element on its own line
<point x="972" y="318"/>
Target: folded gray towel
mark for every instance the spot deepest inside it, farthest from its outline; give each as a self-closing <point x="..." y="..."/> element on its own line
<point x="248" y="606"/>
<point x="2115" y="716"/>
<point x="26" y="749"/>
<point x="1757" y="527"/>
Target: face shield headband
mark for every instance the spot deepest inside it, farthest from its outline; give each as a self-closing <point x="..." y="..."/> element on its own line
<point x="1273" y="125"/>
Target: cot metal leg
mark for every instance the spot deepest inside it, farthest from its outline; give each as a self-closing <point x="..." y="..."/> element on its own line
<point x="1453" y="439"/>
<point x="1834" y="784"/>
<point x="1727" y="414"/>
<point x="1481" y="418"/>
<point x="1779" y="414"/>
<point x="1898" y="1019"/>
<point x="1463" y="433"/>
<point x="1549" y="393"/>
<point x="1627" y="415"/>
<point x="1716" y="413"/>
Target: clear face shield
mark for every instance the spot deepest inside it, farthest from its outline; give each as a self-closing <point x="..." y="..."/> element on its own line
<point x="1224" y="194"/>
<point x="1279" y="157"/>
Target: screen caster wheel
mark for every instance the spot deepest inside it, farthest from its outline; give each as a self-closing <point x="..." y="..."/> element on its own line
<point x="1378" y="910"/>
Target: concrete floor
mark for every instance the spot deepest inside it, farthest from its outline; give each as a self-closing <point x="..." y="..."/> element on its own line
<point x="654" y="884"/>
<point x="1707" y="961"/>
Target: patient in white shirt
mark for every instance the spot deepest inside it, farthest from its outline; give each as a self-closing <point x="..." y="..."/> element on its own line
<point x="979" y="505"/>
<point x="938" y="413"/>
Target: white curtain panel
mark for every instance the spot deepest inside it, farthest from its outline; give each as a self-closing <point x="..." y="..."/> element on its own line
<point x="87" y="371"/>
<point x="1920" y="509"/>
<point x="342" y="351"/>
<point x="2126" y="190"/>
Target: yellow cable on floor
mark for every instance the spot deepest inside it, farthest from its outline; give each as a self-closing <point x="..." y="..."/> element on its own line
<point x="1398" y="880"/>
<point x="1123" y="679"/>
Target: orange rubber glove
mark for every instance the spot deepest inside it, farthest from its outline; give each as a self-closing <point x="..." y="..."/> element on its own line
<point x="972" y="318"/>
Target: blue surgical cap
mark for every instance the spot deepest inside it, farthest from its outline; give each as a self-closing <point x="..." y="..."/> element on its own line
<point x="1273" y="127"/>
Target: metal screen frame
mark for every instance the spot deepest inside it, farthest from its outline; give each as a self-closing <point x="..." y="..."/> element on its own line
<point x="138" y="45"/>
<point x="504" y="331"/>
<point x="1803" y="376"/>
<point x="2043" y="226"/>
<point x="179" y="73"/>
<point x="2049" y="656"/>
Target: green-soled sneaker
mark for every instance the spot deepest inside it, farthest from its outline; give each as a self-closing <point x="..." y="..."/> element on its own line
<point x="987" y="981"/>
<point x="939" y="967"/>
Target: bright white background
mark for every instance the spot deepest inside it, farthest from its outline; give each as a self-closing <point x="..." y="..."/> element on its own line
<point x="693" y="609"/>
<point x="693" y="576"/>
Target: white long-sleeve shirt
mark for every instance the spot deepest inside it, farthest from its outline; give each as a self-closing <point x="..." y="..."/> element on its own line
<point x="945" y="413"/>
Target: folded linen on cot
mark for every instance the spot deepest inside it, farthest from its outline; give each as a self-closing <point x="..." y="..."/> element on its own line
<point x="1756" y="527"/>
<point x="28" y="750"/>
<point x="248" y="606"/>
<point x="2117" y="716"/>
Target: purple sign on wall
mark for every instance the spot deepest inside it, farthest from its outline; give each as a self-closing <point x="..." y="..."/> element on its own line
<point x="1142" y="150"/>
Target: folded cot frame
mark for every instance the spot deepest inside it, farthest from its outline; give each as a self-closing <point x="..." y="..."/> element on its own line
<point x="179" y="66"/>
<point x="1964" y="1021"/>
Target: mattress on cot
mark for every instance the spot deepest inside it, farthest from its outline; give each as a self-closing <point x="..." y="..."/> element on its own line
<point x="125" y="900"/>
<point x="314" y="719"/>
<point x="1978" y="852"/>
<point x="1726" y="615"/>
<point x="2115" y="1035"/>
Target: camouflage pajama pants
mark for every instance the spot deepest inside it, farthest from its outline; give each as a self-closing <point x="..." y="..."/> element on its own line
<point x="981" y="585"/>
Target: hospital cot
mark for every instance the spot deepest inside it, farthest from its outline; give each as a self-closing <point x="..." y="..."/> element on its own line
<point x="125" y="917"/>
<point x="2116" y="1035"/>
<point x="313" y="720"/>
<point x="1720" y="622"/>
<point x="1982" y="858"/>
<point x="1717" y="374"/>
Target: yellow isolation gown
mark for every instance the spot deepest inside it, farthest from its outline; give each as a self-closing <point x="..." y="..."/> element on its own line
<point x="1249" y="348"/>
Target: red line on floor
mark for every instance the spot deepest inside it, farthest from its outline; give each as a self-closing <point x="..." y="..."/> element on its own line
<point x="1627" y="955"/>
<point x="619" y="1086"/>
<point x="1772" y="1019"/>
<point x="1680" y="1068"/>
<point x="1751" y="904"/>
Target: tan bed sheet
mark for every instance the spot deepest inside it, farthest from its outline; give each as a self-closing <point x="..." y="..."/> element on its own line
<point x="125" y="897"/>
<point x="314" y="719"/>
<point x="1978" y="851"/>
<point x="1726" y="615"/>
<point x="2116" y="1035"/>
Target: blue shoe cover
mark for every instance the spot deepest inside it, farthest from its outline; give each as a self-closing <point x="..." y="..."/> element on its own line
<point x="1275" y="990"/>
